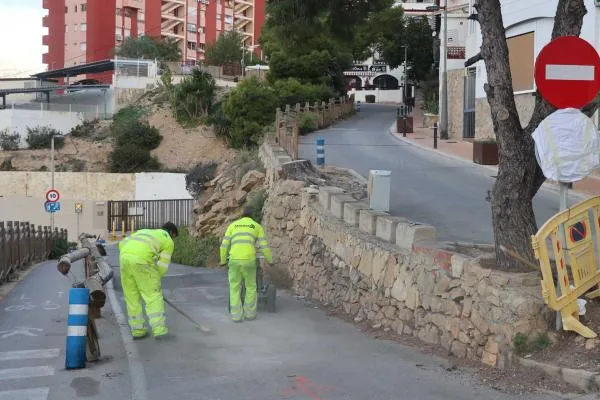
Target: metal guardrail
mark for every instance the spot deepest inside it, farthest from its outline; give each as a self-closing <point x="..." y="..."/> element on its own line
<point x="22" y="244"/>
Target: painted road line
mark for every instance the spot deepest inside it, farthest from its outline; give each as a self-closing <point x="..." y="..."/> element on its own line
<point x="139" y="390"/>
<point x="570" y="72"/>
<point x="25" y="394"/>
<point x="29" y="354"/>
<point x="25" y="372"/>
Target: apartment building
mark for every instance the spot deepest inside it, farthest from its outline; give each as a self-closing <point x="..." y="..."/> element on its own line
<point x="83" y="31"/>
<point x="528" y="26"/>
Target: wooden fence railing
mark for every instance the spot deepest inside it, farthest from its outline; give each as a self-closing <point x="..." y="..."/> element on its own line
<point x="22" y="244"/>
<point x="287" y="127"/>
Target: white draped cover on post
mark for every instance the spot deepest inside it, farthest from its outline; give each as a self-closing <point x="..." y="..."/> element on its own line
<point x="567" y="145"/>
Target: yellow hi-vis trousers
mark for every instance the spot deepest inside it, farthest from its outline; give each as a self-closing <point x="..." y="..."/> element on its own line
<point x="242" y="270"/>
<point x="142" y="281"/>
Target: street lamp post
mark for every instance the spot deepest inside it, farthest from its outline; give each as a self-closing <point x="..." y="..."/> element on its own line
<point x="444" y="83"/>
<point x="405" y="74"/>
<point x="52" y="173"/>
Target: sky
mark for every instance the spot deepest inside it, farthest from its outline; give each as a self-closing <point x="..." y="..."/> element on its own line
<point x="21" y="34"/>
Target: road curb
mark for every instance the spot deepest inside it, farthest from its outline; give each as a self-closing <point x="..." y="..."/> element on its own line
<point x="584" y="380"/>
<point x="547" y="185"/>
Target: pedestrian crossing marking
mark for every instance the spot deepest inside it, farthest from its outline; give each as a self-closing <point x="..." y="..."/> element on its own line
<point x="26" y="372"/>
<point x="29" y="354"/>
<point x="25" y="394"/>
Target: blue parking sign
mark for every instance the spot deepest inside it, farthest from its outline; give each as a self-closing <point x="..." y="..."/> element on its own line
<point x="52" y="207"/>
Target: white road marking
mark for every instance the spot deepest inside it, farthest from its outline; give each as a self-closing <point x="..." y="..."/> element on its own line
<point x="25" y="394"/>
<point x="139" y="389"/>
<point x="20" y="330"/>
<point x="29" y="354"/>
<point x="570" y="72"/>
<point x="25" y="372"/>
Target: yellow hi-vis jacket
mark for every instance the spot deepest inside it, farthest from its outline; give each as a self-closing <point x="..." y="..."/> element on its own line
<point x="240" y="240"/>
<point x="149" y="246"/>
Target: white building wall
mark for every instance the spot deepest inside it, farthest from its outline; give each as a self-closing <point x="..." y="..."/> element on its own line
<point x="160" y="186"/>
<point x="522" y="16"/>
<point x="17" y="120"/>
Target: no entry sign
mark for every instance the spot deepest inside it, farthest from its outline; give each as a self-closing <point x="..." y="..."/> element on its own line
<point x="567" y="72"/>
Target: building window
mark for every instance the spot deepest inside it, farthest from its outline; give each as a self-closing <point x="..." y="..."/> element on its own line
<point x="192" y="11"/>
<point x="75" y="7"/>
<point x="521" y="60"/>
<point x="228" y="19"/>
<point x="118" y="11"/>
<point x="202" y="46"/>
<point x="140" y="16"/>
<point x="66" y="9"/>
<point x="83" y="27"/>
<point x="191" y="45"/>
<point x="83" y="46"/>
<point x="83" y="7"/>
<point x="191" y="27"/>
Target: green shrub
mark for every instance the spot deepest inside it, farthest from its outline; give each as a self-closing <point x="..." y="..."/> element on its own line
<point x="198" y="176"/>
<point x="249" y="107"/>
<point x="85" y="129"/>
<point x="257" y="203"/>
<point x="127" y="116"/>
<point x="9" y="141"/>
<point x="130" y="158"/>
<point x="193" y="98"/>
<point x="291" y="91"/>
<point x="245" y="133"/>
<point x="40" y="137"/>
<point x="139" y="133"/>
<point x="60" y="248"/>
<point x="308" y="122"/>
<point x="220" y="122"/>
<point x="192" y="251"/>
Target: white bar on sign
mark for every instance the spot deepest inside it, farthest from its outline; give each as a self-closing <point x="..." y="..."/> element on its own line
<point x="25" y="372"/>
<point x="76" y="330"/>
<point x="28" y="394"/>
<point x="78" y="309"/>
<point x="29" y="354"/>
<point x="570" y="72"/>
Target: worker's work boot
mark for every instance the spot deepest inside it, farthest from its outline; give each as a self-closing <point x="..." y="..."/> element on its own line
<point x="139" y="334"/>
<point x="166" y="337"/>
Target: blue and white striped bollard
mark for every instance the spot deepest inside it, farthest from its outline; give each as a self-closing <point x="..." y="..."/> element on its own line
<point x="320" y="152"/>
<point x="77" y="328"/>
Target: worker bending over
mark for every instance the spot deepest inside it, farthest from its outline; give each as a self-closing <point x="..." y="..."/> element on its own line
<point x="239" y="243"/>
<point x="144" y="260"/>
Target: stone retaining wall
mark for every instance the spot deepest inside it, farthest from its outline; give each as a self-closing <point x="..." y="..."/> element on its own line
<point x="390" y="272"/>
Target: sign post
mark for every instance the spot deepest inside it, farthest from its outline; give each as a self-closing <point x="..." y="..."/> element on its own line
<point x="567" y="75"/>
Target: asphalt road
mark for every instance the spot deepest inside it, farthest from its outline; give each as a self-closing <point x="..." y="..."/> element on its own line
<point x="298" y="353"/>
<point x="426" y="187"/>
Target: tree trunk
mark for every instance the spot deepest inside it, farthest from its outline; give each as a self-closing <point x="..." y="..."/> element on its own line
<point x="519" y="176"/>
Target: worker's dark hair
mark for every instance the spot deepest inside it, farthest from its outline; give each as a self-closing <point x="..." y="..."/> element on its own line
<point x="248" y="212"/>
<point x="171" y="228"/>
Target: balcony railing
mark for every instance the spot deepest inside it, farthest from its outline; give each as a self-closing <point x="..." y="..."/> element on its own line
<point x="456" y="53"/>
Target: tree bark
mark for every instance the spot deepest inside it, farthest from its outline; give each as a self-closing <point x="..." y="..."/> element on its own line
<point x="519" y="176"/>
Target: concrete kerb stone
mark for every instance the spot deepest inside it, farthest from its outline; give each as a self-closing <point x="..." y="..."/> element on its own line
<point x="325" y="193"/>
<point x="337" y="203"/>
<point x="409" y="233"/>
<point x="385" y="227"/>
<point x="579" y="378"/>
<point x="367" y="220"/>
<point x="352" y="212"/>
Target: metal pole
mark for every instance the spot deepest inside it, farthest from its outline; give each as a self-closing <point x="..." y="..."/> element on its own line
<point x="435" y="135"/>
<point x="444" y="110"/>
<point x="563" y="205"/>
<point x="52" y="172"/>
<point x="405" y="68"/>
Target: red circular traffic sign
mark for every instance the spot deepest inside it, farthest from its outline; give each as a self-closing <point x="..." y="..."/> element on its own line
<point x="567" y="72"/>
<point x="52" y="195"/>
